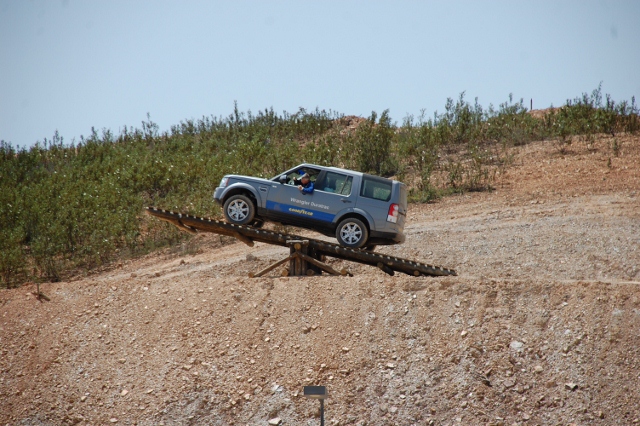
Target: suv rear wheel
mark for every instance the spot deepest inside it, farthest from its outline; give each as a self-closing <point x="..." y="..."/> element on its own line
<point x="239" y="209"/>
<point x="352" y="233"/>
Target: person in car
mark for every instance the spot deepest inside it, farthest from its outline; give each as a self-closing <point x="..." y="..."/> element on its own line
<point x="304" y="184"/>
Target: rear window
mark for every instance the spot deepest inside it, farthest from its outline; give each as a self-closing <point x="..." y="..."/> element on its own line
<point x="376" y="188"/>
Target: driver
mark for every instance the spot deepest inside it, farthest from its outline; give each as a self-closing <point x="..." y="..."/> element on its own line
<point x="304" y="184"/>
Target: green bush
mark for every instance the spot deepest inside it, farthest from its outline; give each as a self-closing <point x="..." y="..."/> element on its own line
<point x="371" y="145"/>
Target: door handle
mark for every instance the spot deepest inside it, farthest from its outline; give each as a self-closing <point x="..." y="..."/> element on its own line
<point x="344" y="200"/>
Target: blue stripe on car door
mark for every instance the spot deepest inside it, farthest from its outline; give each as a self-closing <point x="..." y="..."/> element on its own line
<point x="300" y="211"/>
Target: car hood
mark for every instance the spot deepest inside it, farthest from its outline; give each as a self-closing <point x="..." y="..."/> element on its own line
<point x="240" y="178"/>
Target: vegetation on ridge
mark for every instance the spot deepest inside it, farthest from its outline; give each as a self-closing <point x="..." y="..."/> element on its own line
<point x="80" y="205"/>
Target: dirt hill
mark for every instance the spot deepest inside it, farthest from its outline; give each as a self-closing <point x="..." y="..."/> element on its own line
<point x="542" y="325"/>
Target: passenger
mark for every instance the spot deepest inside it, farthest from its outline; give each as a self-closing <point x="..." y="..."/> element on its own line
<point x="304" y="184"/>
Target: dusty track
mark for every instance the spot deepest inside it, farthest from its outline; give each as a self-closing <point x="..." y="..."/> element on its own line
<point x="541" y="327"/>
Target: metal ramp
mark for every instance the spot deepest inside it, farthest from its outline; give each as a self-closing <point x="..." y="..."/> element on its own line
<point x="306" y="253"/>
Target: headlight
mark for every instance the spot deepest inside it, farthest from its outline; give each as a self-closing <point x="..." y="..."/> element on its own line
<point x="224" y="182"/>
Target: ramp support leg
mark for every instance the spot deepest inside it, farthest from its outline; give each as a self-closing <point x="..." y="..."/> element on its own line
<point x="302" y="261"/>
<point x="298" y="265"/>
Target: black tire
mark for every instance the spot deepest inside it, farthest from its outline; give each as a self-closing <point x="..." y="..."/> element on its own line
<point x="239" y="209"/>
<point x="352" y="233"/>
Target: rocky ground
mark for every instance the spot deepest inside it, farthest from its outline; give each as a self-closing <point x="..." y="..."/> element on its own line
<point x="541" y="327"/>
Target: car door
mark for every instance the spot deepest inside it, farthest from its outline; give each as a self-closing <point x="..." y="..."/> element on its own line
<point x="287" y="204"/>
<point x="333" y="194"/>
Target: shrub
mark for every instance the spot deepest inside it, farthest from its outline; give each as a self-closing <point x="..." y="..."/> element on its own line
<point x="371" y="145"/>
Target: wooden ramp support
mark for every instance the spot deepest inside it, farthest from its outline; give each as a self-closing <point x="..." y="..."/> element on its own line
<point x="302" y="261"/>
<point x="310" y="254"/>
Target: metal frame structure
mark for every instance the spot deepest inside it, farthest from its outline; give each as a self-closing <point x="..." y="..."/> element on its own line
<point x="306" y="254"/>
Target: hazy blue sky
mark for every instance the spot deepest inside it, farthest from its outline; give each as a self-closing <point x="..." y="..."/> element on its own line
<point x="70" y="65"/>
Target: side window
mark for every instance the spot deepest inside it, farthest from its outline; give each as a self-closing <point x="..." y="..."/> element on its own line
<point x="296" y="174"/>
<point x="346" y="187"/>
<point x="378" y="189"/>
<point x="336" y="183"/>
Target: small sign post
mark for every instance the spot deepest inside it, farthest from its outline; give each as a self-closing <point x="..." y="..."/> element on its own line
<point x="317" y="392"/>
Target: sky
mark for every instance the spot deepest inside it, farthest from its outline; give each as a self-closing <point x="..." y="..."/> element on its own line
<point x="70" y="65"/>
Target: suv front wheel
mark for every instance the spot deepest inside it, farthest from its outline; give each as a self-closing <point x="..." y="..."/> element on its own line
<point x="352" y="233"/>
<point x="239" y="209"/>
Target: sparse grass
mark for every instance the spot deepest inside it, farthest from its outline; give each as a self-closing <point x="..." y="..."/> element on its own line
<point x="615" y="147"/>
<point x="80" y="205"/>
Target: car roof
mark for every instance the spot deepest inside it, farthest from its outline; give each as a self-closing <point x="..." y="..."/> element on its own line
<point x="334" y="169"/>
<point x="338" y="169"/>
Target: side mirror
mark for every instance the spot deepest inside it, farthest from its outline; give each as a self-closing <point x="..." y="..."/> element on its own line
<point x="283" y="179"/>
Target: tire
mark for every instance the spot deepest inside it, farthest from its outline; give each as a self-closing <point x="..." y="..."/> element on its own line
<point x="239" y="209"/>
<point x="352" y="233"/>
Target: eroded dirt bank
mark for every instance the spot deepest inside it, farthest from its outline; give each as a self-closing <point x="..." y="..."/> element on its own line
<point x="541" y="327"/>
<point x="392" y="350"/>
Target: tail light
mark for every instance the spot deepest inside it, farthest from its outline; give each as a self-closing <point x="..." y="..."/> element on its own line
<point x="394" y="210"/>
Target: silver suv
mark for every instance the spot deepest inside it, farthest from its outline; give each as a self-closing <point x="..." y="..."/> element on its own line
<point x="360" y="210"/>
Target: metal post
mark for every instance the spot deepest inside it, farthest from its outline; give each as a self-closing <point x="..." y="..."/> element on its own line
<point x="322" y="412"/>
